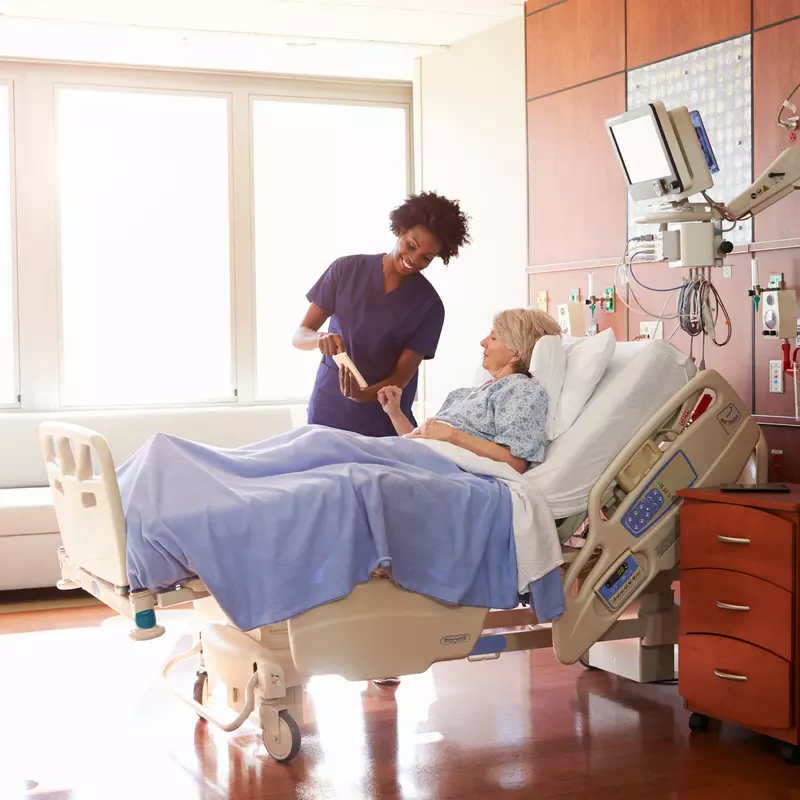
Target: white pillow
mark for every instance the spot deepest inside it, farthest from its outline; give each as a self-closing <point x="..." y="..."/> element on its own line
<point x="549" y="366"/>
<point x="587" y="361"/>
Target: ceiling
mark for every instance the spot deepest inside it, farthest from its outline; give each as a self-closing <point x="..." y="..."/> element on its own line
<point x="353" y="38"/>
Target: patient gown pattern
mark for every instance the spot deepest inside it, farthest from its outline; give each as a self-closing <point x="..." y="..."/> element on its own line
<point x="511" y="411"/>
<point x="276" y="528"/>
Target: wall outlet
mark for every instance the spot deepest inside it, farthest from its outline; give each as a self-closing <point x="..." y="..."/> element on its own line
<point x="776" y="377"/>
<point x="727" y="271"/>
<point x="575" y="296"/>
<point x="608" y="293"/>
<point x="541" y="301"/>
<point x="651" y="330"/>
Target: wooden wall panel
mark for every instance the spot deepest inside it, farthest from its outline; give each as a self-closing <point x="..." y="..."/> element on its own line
<point x="576" y="191"/>
<point x="776" y="70"/>
<point x="572" y="43"/>
<point x="538" y="5"/>
<point x="768" y="12"/>
<point x="560" y="284"/>
<point x="659" y="30"/>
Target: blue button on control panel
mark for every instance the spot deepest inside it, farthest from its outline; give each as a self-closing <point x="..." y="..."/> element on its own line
<point x="645" y="511"/>
<point x="658" y="496"/>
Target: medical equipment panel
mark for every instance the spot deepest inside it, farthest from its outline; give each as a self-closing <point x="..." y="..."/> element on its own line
<point x="779" y="314"/>
<point x="621" y="582"/>
<point x="639" y="138"/>
<point x="659" y="494"/>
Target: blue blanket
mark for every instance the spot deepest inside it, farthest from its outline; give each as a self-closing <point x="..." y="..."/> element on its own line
<point x="281" y="526"/>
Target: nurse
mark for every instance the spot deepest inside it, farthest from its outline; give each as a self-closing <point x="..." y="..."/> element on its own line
<point x="383" y="313"/>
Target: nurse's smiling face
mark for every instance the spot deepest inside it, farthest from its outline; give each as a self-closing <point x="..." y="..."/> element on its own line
<point x="414" y="250"/>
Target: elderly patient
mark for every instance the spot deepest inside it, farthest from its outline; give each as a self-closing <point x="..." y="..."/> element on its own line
<point x="505" y="418"/>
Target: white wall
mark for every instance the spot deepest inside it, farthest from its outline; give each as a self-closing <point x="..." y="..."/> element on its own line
<point x="471" y="145"/>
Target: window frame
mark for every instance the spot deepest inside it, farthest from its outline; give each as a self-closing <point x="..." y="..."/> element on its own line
<point x="36" y="234"/>
<point x="406" y="107"/>
<point x="232" y="399"/>
<point x="8" y="82"/>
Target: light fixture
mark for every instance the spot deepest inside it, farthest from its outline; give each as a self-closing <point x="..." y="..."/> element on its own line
<point x="301" y="44"/>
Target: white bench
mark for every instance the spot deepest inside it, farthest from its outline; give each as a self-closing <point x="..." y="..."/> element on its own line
<point x="29" y="538"/>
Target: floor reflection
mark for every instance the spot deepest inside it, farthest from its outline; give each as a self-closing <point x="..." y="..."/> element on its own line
<point x="85" y="716"/>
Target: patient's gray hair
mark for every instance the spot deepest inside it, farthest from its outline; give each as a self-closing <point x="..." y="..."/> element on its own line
<point x="520" y="328"/>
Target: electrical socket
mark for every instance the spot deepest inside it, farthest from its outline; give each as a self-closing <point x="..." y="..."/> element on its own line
<point x="575" y="296"/>
<point x="608" y="294"/>
<point x="652" y="330"/>
<point x="776" y="377"/>
<point x="727" y="271"/>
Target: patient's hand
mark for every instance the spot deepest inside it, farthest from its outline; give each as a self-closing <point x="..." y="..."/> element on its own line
<point x="434" y="429"/>
<point x="389" y="397"/>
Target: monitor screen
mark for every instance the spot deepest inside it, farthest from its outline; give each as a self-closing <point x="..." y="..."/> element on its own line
<point x="705" y="142"/>
<point x="642" y="150"/>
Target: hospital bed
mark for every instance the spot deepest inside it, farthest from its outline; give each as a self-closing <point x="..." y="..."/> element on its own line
<point x="618" y="585"/>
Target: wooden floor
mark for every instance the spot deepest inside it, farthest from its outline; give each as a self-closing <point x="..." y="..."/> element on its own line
<point x="83" y="716"/>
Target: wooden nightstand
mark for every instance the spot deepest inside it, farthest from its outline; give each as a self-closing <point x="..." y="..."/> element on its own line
<point x="740" y="612"/>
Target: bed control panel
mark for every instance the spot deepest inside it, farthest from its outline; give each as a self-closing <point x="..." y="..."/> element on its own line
<point x="620" y="583"/>
<point x="659" y="494"/>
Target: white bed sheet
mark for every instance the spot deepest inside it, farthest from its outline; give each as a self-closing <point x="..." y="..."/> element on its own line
<point x="641" y="377"/>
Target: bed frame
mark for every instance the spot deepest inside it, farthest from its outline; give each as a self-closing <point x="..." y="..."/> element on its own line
<point x="620" y="610"/>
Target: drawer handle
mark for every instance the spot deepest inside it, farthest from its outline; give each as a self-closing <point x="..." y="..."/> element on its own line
<point x="728" y="677"/>
<point x="732" y="540"/>
<point x="731" y="607"/>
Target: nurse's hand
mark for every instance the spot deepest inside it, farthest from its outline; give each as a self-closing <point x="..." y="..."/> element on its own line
<point x="349" y="386"/>
<point x="434" y="429"/>
<point x="330" y="344"/>
<point x="389" y="397"/>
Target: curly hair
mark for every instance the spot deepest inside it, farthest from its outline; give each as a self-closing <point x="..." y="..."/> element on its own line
<point x="442" y="217"/>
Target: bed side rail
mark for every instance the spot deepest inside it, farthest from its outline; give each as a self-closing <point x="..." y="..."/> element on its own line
<point x="80" y="470"/>
<point x="639" y="536"/>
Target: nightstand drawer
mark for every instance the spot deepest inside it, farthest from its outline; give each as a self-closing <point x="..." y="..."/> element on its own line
<point x="735" y="681"/>
<point x="720" y="536"/>
<point x="716" y="601"/>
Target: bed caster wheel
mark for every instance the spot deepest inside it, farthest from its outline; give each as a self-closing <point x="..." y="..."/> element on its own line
<point x="584" y="659"/>
<point x="288" y="745"/>
<point x="200" y="688"/>
<point x="790" y="753"/>
<point x="698" y="723"/>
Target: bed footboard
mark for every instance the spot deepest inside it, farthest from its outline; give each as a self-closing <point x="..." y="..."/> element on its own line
<point x="81" y="474"/>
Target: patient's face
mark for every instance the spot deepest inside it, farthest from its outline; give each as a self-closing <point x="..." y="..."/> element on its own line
<point x="496" y="356"/>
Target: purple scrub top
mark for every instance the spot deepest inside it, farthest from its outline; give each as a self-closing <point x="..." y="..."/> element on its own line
<point x="376" y="327"/>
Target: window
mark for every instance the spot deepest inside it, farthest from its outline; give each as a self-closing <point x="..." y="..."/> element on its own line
<point x="145" y="249"/>
<point x="325" y="177"/>
<point x="8" y="344"/>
